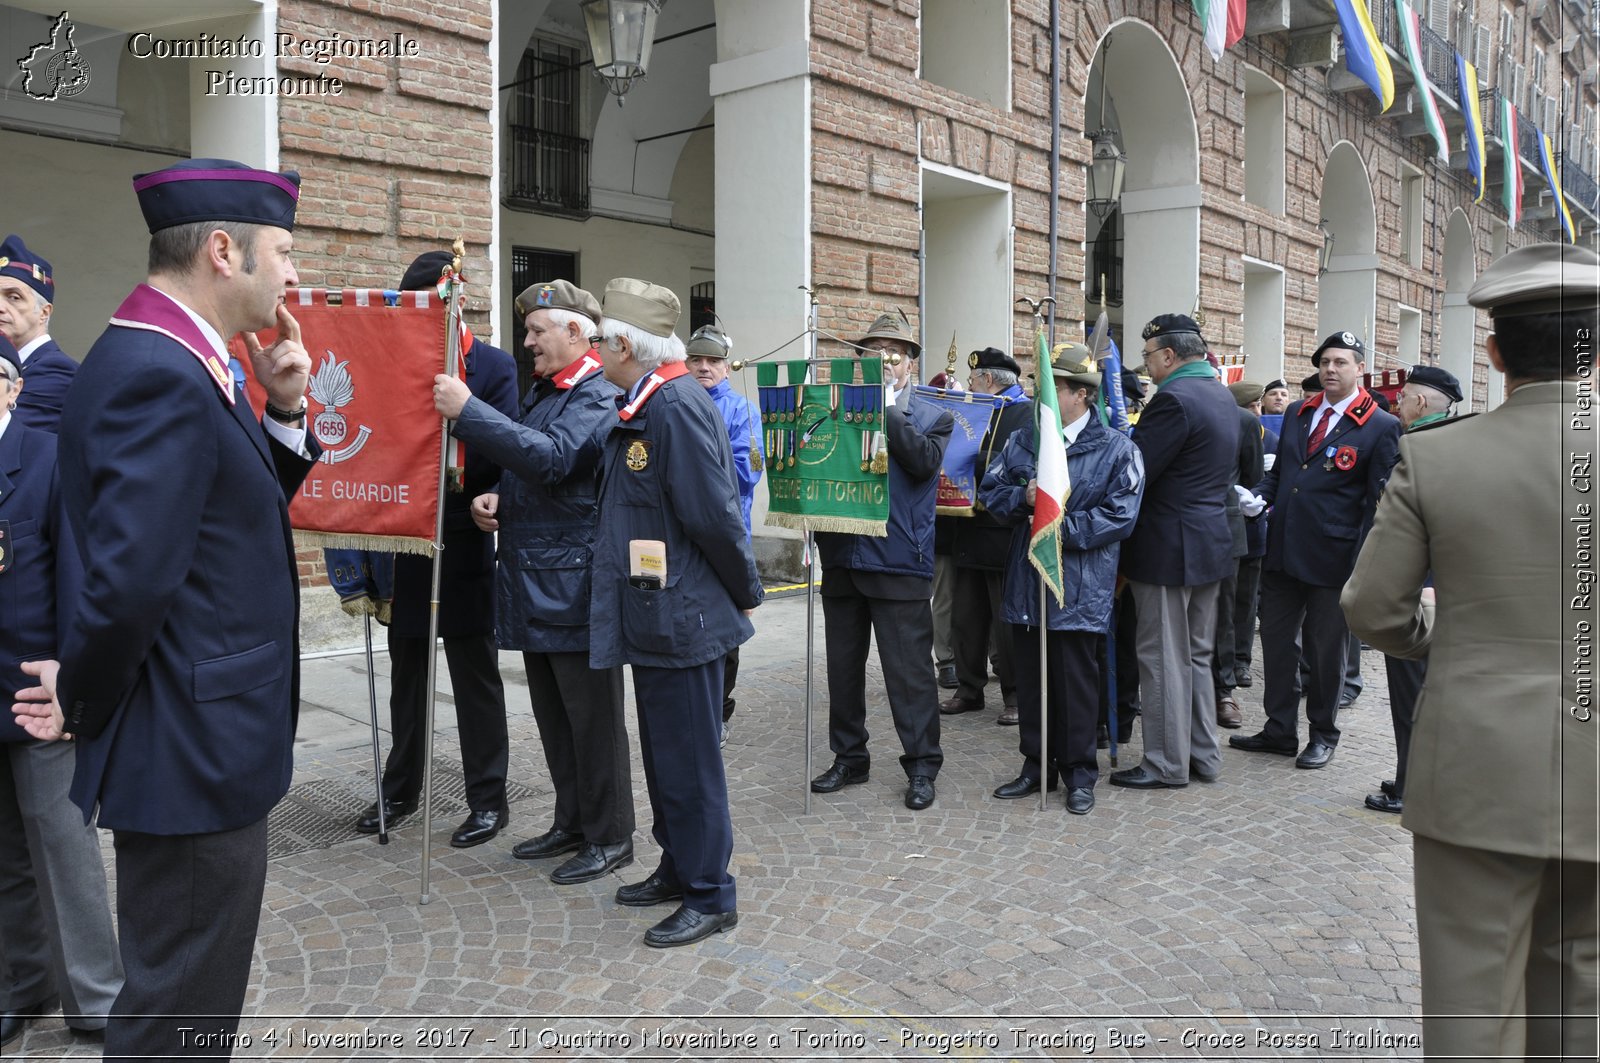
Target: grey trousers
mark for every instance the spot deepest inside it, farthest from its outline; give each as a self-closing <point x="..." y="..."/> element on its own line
<point x="944" y="590"/>
<point x="1176" y="629"/>
<point x="56" y="932"/>
<point x="1509" y="953"/>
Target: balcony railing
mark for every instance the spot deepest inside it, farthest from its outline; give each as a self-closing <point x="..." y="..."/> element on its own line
<point x="1489" y="105"/>
<point x="548" y="170"/>
<point x="1578" y="184"/>
<point x="1439" y="61"/>
<point x="1527" y="140"/>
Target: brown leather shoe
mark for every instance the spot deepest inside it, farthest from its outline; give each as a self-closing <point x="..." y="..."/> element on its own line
<point x="1228" y="714"/>
<point x="1009" y="718"/>
<point x="957" y="705"/>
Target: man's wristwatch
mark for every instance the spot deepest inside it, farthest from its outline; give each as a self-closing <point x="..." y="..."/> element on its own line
<point x="283" y="416"/>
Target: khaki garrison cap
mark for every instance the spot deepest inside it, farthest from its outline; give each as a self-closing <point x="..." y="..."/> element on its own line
<point x="1539" y="279"/>
<point x="1244" y="392"/>
<point x="558" y="295"/>
<point x="642" y="304"/>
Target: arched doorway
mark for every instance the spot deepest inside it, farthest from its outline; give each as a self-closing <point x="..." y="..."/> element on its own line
<point x="1347" y="292"/>
<point x="1458" y="342"/>
<point x="1152" y="235"/>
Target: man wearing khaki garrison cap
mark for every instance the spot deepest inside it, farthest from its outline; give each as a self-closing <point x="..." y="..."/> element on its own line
<point x="674" y="582"/>
<point x="1501" y="791"/>
<point x="546" y="509"/>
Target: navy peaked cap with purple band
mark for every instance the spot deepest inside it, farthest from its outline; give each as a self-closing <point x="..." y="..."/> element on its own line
<point x="17" y="262"/>
<point x="216" y="190"/>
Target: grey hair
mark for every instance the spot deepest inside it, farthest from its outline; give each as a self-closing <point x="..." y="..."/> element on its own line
<point x="1186" y="345"/>
<point x="649" y="350"/>
<point x="39" y="300"/>
<point x="1003" y="378"/>
<point x="10" y="371"/>
<point x="1436" y="400"/>
<point x="560" y="317"/>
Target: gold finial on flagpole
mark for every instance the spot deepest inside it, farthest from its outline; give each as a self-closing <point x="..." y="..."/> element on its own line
<point x="950" y="369"/>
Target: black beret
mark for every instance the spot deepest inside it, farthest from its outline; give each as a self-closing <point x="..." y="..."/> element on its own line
<point x="1132" y="386"/>
<point x="216" y="190"/>
<point x="1311" y="383"/>
<point x="424" y="272"/>
<point x="1167" y="323"/>
<point x="1341" y="341"/>
<point x="993" y="358"/>
<point x="1279" y="383"/>
<point x="1382" y="400"/>
<point x="1439" y="379"/>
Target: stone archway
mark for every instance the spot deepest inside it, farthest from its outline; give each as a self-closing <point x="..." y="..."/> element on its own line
<point x="1148" y="105"/>
<point x="1347" y="293"/>
<point x="1458" y="343"/>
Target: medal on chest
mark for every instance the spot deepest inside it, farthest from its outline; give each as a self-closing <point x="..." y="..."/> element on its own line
<point x="637" y="457"/>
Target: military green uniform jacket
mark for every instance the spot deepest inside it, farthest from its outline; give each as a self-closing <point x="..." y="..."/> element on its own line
<point x="1499" y="759"/>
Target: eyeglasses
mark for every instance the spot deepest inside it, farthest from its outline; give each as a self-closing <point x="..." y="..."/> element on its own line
<point x="879" y="348"/>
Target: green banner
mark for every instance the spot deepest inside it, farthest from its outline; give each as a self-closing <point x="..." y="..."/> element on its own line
<point x="827" y="457"/>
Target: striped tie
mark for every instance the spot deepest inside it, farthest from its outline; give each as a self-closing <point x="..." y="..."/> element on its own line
<point x="1319" y="433"/>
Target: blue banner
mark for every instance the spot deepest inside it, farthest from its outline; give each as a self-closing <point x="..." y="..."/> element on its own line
<point x="974" y="413"/>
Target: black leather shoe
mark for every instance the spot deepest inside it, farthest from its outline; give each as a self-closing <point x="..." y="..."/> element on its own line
<point x="653" y="890"/>
<point x="1021" y="786"/>
<point x="1260" y="743"/>
<point x="87" y="1034"/>
<point x="1347" y="700"/>
<point x="957" y="705"/>
<point x="1199" y="775"/>
<point x="947" y="676"/>
<point x="837" y="778"/>
<point x="1139" y="779"/>
<point x="13" y="1022"/>
<point x="552" y="842"/>
<point x="1243" y="679"/>
<point x="1314" y="755"/>
<point x="593" y="861"/>
<point x="1385" y="803"/>
<point x="478" y="828"/>
<point x="1102" y="737"/>
<point x="1387" y="786"/>
<point x="1080" y="799"/>
<point x="919" y="795"/>
<point x="686" y="926"/>
<point x="392" y="811"/>
<point x="1125" y="730"/>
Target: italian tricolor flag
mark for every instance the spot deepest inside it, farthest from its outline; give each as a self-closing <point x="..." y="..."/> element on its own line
<point x="1511" y="190"/>
<point x="1050" y="499"/>
<point x="1223" y="21"/>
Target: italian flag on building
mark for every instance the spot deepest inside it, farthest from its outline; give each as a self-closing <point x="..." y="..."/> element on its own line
<point x="1050" y="498"/>
<point x="1223" y="21"/>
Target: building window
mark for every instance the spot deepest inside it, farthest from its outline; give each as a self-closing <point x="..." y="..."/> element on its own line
<point x="1263" y="141"/>
<point x="548" y="164"/>
<point x="1409" y="350"/>
<point x="1105" y="263"/>
<point x="1411" y="215"/>
<point x="702" y="304"/>
<point x="534" y="265"/>
<point x="966" y="46"/>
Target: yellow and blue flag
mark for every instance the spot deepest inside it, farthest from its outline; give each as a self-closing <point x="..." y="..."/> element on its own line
<point x="1467" y="77"/>
<point x="1363" y="51"/>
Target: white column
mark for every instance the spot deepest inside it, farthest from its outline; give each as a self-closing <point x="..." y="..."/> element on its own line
<point x="1161" y="255"/>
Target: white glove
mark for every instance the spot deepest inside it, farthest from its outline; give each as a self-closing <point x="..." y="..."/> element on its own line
<point x="888" y="395"/>
<point x="1250" y="503"/>
<point x="1268" y="461"/>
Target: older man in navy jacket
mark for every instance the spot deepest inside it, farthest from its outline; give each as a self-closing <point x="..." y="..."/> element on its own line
<point x="27" y="299"/>
<point x="180" y="669"/>
<point x="1179" y="553"/>
<point x="674" y="582"/>
<point x="883" y="587"/>
<point x="1334" y="455"/>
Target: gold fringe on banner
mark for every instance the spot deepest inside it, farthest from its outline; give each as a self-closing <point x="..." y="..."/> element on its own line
<point x="382" y="611"/>
<point x="392" y="544"/>
<point x="845" y="525"/>
<point x="954" y="511"/>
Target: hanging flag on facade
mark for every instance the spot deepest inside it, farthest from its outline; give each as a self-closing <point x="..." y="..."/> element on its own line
<point x="1547" y="160"/>
<point x="1511" y="190"/>
<point x="1411" y="32"/>
<point x="1050" y="498"/>
<point x="1467" y="78"/>
<point x="1223" y="22"/>
<point x="1363" y="51"/>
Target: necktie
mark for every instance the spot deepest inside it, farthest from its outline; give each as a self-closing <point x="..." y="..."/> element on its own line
<point x="1319" y="433"/>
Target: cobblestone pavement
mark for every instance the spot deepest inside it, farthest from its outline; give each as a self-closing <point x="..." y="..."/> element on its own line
<point x="1267" y="915"/>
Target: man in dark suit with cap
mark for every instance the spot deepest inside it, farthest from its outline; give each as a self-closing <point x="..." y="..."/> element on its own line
<point x="466" y="622"/>
<point x="27" y="299"/>
<point x="881" y="586"/>
<point x="1427" y="400"/>
<point x="1180" y="550"/>
<point x="1334" y="455"/>
<point x="179" y="669"/>
<point x="978" y="550"/>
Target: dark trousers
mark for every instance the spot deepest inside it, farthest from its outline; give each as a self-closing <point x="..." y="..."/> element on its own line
<point x="1125" y="650"/>
<point x="585" y="738"/>
<point x="188" y="906"/>
<point x="1405" y="685"/>
<point x="974" y="616"/>
<point x="480" y="717"/>
<point x="1292" y="611"/>
<point x="679" y="730"/>
<point x="904" y="630"/>
<point x="1222" y="659"/>
<point x="1073" y="697"/>
<point x="730" y="676"/>
<point x="1246" y="601"/>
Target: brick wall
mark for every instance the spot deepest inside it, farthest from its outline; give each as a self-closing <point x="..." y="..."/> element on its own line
<point x="869" y="109"/>
<point x="400" y="163"/>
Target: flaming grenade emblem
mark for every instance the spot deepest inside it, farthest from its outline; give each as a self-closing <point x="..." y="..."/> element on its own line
<point x="332" y="387"/>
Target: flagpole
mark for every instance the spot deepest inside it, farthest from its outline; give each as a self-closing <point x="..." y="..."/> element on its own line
<point x="1044" y="615"/>
<point x="452" y="355"/>
<point x="807" y="560"/>
<point x="1111" y="624"/>
<point x="377" y="763"/>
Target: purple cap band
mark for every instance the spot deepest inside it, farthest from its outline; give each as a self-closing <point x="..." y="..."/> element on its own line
<point x="161" y="177"/>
